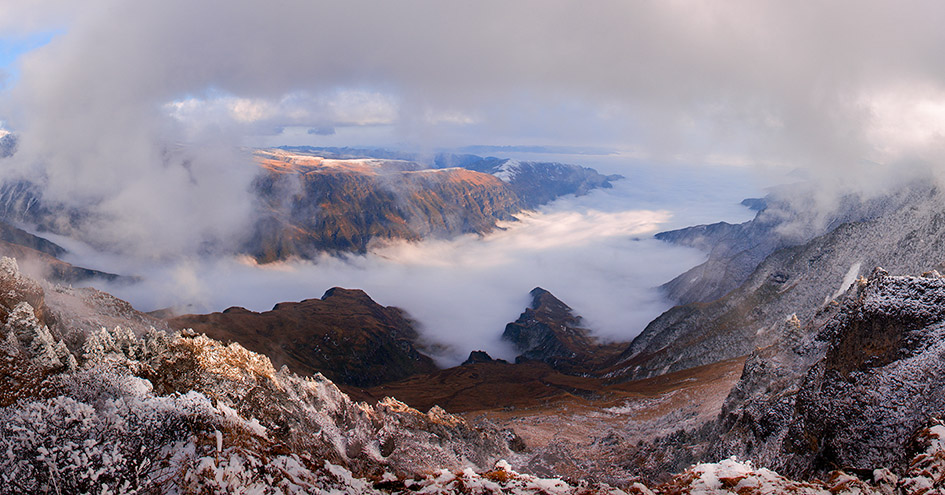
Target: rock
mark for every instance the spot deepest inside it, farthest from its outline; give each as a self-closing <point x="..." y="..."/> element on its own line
<point x="852" y="396"/>
<point x="481" y="357"/>
<point x="550" y="332"/>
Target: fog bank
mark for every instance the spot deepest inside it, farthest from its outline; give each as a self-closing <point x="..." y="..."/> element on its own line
<point x="594" y="252"/>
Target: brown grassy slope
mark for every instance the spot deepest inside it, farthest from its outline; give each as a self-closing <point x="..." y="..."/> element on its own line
<point x="345" y="335"/>
<point x="532" y="385"/>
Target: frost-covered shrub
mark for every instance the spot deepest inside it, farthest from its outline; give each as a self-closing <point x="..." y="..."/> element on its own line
<point x="129" y="442"/>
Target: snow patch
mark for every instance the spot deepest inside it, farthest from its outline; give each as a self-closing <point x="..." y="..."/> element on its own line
<point x="848" y="280"/>
<point x="508" y="170"/>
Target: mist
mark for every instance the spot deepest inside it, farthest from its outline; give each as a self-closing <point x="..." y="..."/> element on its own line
<point x="595" y="252"/>
<point x="139" y="115"/>
<point x="135" y="112"/>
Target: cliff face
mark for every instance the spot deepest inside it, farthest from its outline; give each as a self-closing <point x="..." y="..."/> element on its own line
<point x="852" y="393"/>
<point x="345" y="335"/>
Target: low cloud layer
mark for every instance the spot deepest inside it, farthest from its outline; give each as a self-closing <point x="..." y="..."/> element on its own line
<point x="136" y="112"/>
<point x="595" y="252"/>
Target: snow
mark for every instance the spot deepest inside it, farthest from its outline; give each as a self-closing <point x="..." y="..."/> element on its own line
<point x="184" y="413"/>
<point x="508" y="170"/>
<point x="848" y="280"/>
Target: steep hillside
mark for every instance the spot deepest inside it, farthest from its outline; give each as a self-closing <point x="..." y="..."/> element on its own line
<point x="907" y="238"/>
<point x="312" y="204"/>
<point x="345" y="335"/>
<point x="789" y="216"/>
<point x="855" y="392"/>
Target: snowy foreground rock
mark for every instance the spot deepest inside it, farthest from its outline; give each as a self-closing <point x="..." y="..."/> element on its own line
<point x="117" y="412"/>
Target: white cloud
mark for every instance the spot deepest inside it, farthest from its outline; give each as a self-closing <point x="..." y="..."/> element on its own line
<point x="262" y="115"/>
<point x="595" y="252"/>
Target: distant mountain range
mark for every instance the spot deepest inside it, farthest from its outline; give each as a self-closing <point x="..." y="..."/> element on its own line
<point x="311" y="203"/>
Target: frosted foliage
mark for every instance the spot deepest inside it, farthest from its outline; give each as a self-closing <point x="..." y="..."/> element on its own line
<point x="9" y="267"/>
<point x="183" y="413"/>
<point x="35" y="337"/>
<point x="189" y="414"/>
<point x="24" y="332"/>
<point x="117" y="343"/>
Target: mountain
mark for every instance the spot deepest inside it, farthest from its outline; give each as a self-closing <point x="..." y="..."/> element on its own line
<point x="903" y="232"/>
<point x="789" y="216"/>
<point x="345" y="336"/>
<point x="311" y="204"/>
<point x="8" y="142"/>
<point x="180" y="412"/>
<point x="550" y="332"/>
<point x="535" y="183"/>
<point x="855" y="393"/>
<point x="857" y="387"/>
<point x="40" y="258"/>
<point x="20" y="202"/>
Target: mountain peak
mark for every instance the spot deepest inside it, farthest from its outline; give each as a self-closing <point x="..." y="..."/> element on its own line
<point x="346" y="293"/>
<point x="549" y="331"/>
<point x="345" y="335"/>
<point x="537" y="294"/>
<point x="545" y="303"/>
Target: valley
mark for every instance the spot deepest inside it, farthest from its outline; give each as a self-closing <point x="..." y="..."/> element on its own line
<point x="542" y="247"/>
<point x="740" y="367"/>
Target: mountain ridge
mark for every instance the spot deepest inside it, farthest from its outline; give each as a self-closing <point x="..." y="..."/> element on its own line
<point x="344" y="335"/>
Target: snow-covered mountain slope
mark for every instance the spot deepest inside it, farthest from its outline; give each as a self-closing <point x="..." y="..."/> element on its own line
<point x="853" y="393"/>
<point x="789" y="216"/>
<point x="907" y="239"/>
<point x="183" y="413"/>
<point x="8" y="142"/>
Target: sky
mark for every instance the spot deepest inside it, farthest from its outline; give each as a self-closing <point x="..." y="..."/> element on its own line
<point x="140" y="113"/>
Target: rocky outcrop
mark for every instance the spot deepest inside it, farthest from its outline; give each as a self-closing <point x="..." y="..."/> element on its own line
<point x="481" y="357"/>
<point x="550" y="332"/>
<point x="345" y="335"/>
<point x="851" y="389"/>
<point x="29" y="351"/>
